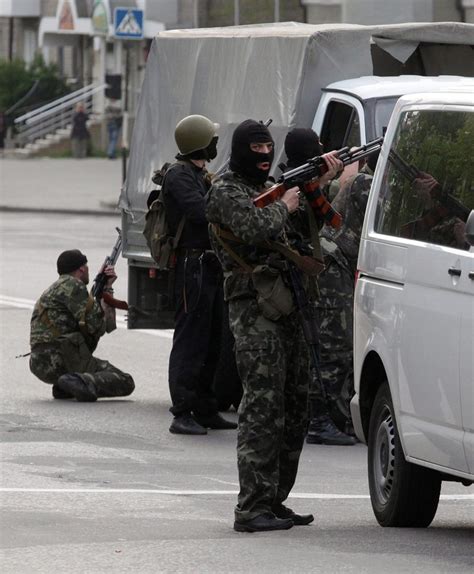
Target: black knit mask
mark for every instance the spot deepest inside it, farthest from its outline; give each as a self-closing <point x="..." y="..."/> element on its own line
<point x="69" y="261"/>
<point x="242" y="159"/>
<point x="301" y="144"/>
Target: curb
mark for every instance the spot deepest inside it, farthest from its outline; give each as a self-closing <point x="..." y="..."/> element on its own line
<point x="60" y="211"/>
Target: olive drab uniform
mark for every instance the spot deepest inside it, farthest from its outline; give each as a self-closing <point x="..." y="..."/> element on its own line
<point x="66" y="326"/>
<point x="271" y="352"/>
<point x="336" y="285"/>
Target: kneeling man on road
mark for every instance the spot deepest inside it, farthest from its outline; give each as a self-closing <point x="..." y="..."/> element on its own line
<point x="66" y="326"/>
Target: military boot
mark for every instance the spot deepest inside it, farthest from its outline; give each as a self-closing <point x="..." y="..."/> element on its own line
<point x="81" y="389"/>
<point x="322" y="430"/>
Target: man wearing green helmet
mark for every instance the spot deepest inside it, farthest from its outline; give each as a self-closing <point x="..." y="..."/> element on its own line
<point x="198" y="283"/>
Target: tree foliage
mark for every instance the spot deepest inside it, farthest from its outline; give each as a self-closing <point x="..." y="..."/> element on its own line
<point x="16" y="79"/>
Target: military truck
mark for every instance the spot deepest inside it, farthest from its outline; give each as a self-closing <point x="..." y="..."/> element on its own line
<point x="342" y="80"/>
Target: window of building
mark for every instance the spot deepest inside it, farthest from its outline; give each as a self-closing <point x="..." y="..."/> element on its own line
<point x="30" y="44"/>
<point x="427" y="191"/>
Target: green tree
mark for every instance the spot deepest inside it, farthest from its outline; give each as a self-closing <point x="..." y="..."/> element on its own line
<point x="16" y="79"/>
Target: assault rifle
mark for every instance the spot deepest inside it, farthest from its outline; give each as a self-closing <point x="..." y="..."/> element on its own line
<point x="308" y="324"/>
<point x="306" y="178"/>
<point x="100" y="280"/>
<point x="453" y="206"/>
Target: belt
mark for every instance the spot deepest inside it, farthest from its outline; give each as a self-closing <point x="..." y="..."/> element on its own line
<point x="190" y="252"/>
<point x="38" y="347"/>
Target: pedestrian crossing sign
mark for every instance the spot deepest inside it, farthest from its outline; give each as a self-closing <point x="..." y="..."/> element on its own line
<point x="128" y="23"/>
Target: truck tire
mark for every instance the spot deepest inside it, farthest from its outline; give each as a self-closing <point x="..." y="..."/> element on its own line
<point x="402" y="494"/>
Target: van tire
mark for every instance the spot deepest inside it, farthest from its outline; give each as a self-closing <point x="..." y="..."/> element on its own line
<point x="402" y="494"/>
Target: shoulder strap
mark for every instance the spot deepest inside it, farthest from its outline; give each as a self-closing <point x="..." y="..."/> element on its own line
<point x="314" y="232"/>
<point x="87" y="309"/>
<point x="45" y="319"/>
<point x="219" y="234"/>
<point x="309" y="265"/>
<point x="179" y="230"/>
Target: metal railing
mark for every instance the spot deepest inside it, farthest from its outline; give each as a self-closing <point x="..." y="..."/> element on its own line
<point x="50" y="118"/>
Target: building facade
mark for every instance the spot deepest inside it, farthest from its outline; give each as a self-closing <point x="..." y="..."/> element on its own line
<point x="80" y="36"/>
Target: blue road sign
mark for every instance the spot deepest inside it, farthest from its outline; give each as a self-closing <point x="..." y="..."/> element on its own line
<point x="128" y="23"/>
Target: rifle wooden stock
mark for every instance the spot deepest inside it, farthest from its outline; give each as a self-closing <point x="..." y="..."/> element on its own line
<point x="112" y="302"/>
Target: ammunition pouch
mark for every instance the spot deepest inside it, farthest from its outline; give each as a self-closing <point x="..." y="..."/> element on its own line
<point x="274" y="298"/>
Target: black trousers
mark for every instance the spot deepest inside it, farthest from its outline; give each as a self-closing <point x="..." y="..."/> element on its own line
<point x="198" y="327"/>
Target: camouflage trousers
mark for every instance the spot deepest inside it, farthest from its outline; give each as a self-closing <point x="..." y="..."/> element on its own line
<point x="70" y="354"/>
<point x="335" y="314"/>
<point x="273" y="364"/>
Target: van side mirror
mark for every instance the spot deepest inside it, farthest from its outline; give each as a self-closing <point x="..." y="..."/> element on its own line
<point x="470" y="229"/>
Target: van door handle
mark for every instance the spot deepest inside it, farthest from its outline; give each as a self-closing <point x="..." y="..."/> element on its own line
<point x="454" y="271"/>
<point x="471" y="275"/>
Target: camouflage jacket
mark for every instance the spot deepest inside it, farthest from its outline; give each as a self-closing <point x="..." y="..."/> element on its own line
<point x="65" y="308"/>
<point x="343" y="244"/>
<point x="229" y="205"/>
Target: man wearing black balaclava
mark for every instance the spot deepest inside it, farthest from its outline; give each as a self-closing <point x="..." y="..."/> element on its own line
<point x="301" y="144"/>
<point x="271" y="353"/>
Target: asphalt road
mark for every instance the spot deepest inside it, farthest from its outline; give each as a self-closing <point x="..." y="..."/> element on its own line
<point x="104" y="487"/>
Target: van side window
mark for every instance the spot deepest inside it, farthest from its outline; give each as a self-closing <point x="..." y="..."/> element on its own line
<point x="341" y="127"/>
<point x="427" y="191"/>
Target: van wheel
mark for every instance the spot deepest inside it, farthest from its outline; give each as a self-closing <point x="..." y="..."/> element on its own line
<point x="402" y="494"/>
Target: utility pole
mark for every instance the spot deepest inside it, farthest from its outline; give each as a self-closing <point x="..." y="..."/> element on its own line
<point x="125" y="114"/>
<point x="195" y="13"/>
<point x="236" y="12"/>
<point x="276" y="16"/>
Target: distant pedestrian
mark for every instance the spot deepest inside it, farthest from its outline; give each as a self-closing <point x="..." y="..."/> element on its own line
<point x="113" y="116"/>
<point x="3" y="130"/>
<point x="66" y="326"/>
<point x="80" y="135"/>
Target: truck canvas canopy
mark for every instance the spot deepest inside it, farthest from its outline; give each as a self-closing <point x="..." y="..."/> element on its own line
<point x="272" y="71"/>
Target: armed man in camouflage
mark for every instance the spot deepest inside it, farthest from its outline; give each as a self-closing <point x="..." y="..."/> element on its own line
<point x="66" y="326"/>
<point x="335" y="304"/>
<point x="301" y="144"/>
<point x="271" y="352"/>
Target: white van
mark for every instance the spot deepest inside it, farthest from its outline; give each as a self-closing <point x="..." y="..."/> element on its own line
<point x="414" y="309"/>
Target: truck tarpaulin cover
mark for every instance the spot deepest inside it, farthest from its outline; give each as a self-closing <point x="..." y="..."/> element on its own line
<point x="264" y="71"/>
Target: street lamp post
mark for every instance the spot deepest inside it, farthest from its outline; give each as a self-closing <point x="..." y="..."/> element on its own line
<point x="196" y="13"/>
<point x="277" y="11"/>
<point x="236" y="12"/>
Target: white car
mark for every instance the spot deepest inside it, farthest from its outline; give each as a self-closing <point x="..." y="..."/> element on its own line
<point x="414" y="309"/>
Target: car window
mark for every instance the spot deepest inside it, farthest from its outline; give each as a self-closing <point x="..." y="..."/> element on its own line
<point x="427" y="190"/>
<point x="341" y="126"/>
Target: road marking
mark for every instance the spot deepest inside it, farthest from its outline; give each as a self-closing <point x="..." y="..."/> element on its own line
<point x="19" y="303"/>
<point x="308" y="495"/>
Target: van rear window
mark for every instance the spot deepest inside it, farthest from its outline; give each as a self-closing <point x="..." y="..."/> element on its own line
<point x="427" y="190"/>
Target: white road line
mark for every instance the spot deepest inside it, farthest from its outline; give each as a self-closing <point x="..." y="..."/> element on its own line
<point x="308" y="495"/>
<point x="19" y="303"/>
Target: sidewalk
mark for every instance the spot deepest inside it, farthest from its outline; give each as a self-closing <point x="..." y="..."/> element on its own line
<point x="89" y="186"/>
